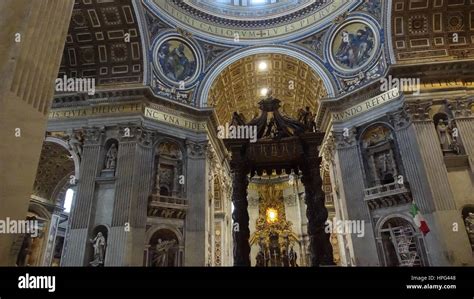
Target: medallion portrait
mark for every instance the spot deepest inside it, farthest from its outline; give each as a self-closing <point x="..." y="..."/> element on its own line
<point x="353" y="47"/>
<point x="176" y="60"/>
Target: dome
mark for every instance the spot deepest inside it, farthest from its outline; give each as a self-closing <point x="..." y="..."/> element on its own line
<point x="249" y="9"/>
<point x="250" y="21"/>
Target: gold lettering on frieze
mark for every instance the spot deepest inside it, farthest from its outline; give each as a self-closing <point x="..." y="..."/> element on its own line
<point x="175" y="120"/>
<point x="243" y="34"/>
<point x="95" y="111"/>
<point x="366" y="105"/>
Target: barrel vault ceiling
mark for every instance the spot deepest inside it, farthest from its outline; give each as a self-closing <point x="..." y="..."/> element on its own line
<point x="96" y="44"/>
<point x="238" y="87"/>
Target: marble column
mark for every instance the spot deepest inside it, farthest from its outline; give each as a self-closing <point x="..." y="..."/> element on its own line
<point x="316" y="212"/>
<point x="446" y="246"/>
<point x="415" y="173"/>
<point x="133" y="186"/>
<point x="51" y="238"/>
<point x="196" y="223"/>
<point x="240" y="215"/>
<point x="348" y="165"/>
<point x="74" y="252"/>
<point x="464" y="118"/>
<point x="32" y="39"/>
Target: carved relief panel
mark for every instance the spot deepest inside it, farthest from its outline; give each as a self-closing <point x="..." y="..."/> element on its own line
<point x="379" y="153"/>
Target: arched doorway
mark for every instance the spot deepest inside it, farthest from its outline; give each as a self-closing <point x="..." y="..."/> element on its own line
<point x="400" y="244"/>
<point x="57" y="172"/>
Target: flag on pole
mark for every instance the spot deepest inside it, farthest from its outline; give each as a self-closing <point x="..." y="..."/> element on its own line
<point x="418" y="219"/>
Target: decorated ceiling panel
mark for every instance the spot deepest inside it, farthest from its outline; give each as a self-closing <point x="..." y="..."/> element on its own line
<point x="55" y="165"/>
<point x="103" y="42"/>
<point x="239" y="86"/>
<point x="432" y="30"/>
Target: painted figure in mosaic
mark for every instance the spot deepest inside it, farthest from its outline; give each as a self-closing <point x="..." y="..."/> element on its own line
<point x="174" y="62"/>
<point x="355" y="49"/>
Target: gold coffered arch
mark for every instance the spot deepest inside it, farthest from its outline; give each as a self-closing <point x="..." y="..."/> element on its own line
<point x="238" y="86"/>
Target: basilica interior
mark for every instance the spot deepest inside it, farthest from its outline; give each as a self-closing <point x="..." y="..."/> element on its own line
<point x="254" y="133"/>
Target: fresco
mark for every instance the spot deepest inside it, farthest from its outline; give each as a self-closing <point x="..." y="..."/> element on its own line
<point x="354" y="46"/>
<point x="176" y="60"/>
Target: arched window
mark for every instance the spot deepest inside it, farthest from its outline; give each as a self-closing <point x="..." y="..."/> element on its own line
<point x="164" y="191"/>
<point x="68" y="200"/>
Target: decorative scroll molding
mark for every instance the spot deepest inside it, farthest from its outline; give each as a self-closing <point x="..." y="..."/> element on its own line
<point x="146" y="137"/>
<point x="93" y="135"/>
<point x="461" y="107"/>
<point x="345" y="139"/>
<point x="197" y="150"/>
<point x="419" y="111"/>
<point x="401" y="118"/>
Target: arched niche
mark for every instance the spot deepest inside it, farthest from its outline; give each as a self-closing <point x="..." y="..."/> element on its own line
<point x="168" y="168"/>
<point x="97" y="249"/>
<point x="447" y="132"/>
<point x="110" y="158"/>
<point x="380" y="155"/>
<point x="164" y="247"/>
<point x="468" y="218"/>
<point x="399" y="243"/>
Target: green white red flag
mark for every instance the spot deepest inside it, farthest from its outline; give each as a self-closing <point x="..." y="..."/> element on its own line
<point x="418" y="219"/>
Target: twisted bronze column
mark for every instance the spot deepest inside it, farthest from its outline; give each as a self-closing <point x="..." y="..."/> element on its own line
<point x="317" y="214"/>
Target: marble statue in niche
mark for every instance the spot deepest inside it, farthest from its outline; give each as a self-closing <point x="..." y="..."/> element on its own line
<point x="111" y="157"/>
<point x="162" y="255"/>
<point x="469" y="222"/>
<point x="307" y="118"/>
<point x="75" y="143"/>
<point x="443" y="134"/>
<point x="448" y="136"/>
<point x="98" y="243"/>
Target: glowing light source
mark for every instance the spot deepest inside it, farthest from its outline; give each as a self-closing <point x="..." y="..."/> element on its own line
<point x="262" y="66"/>
<point x="68" y="200"/>
<point x="263" y="91"/>
<point x="272" y="215"/>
